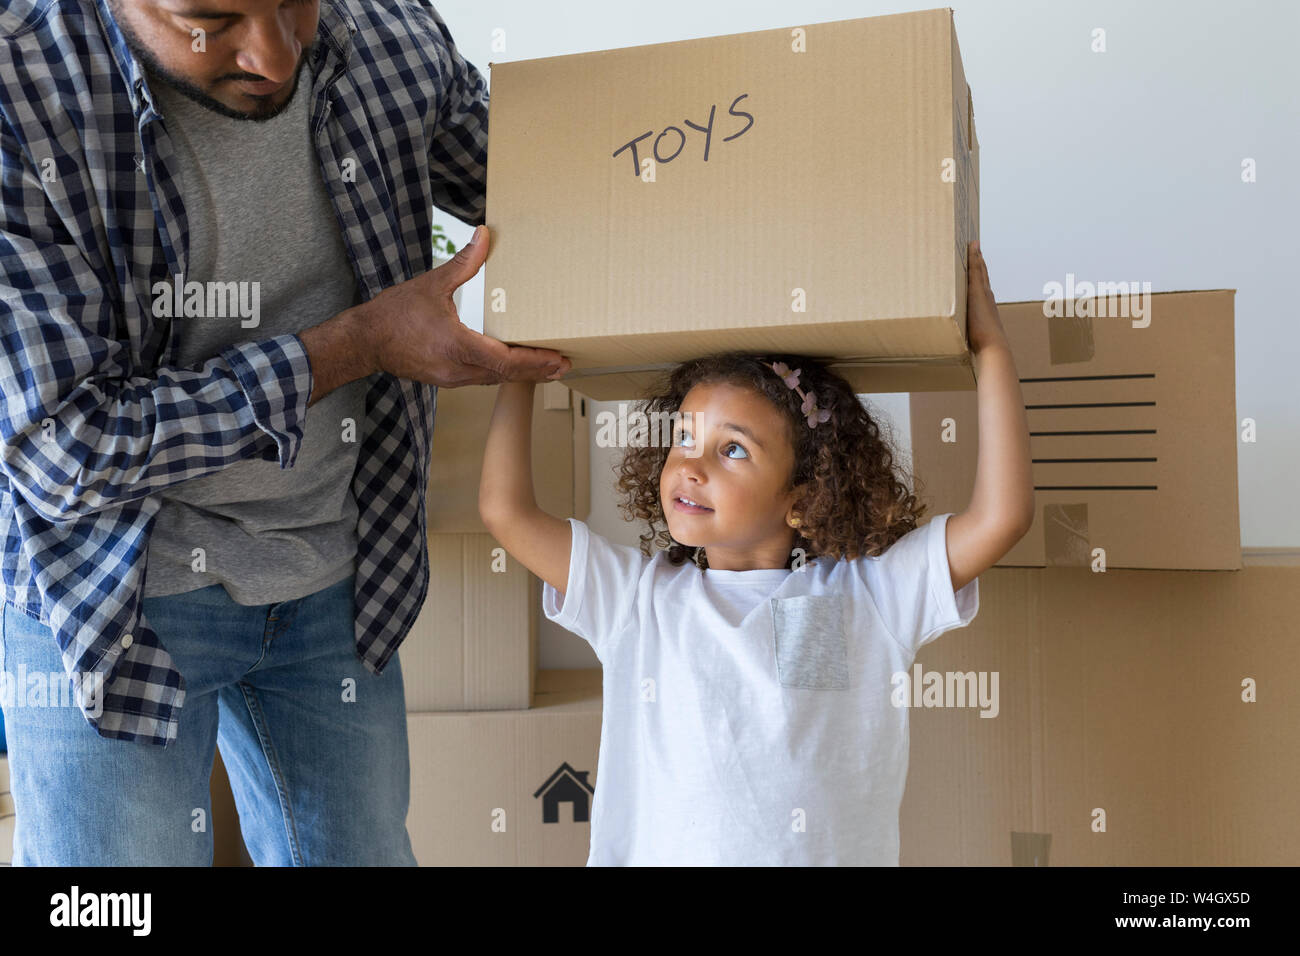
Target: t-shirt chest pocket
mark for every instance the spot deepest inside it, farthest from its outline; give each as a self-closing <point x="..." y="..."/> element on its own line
<point x="809" y="642"/>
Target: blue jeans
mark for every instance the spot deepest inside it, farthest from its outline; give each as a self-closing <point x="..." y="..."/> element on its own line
<point x="319" y="779"/>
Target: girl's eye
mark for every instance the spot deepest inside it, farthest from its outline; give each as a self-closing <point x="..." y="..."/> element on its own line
<point x="681" y="435"/>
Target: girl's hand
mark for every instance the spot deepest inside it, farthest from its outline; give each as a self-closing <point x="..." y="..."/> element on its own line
<point x="983" y="324"/>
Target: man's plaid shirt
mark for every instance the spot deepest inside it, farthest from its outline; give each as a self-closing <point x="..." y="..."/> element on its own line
<point x="94" y="417"/>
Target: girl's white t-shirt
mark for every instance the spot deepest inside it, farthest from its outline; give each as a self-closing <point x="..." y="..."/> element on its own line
<point x="747" y="714"/>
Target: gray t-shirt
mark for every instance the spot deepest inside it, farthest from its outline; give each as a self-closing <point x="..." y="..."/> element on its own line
<point x="259" y="212"/>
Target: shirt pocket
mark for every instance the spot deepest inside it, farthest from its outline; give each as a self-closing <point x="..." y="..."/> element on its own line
<point x="811" y="652"/>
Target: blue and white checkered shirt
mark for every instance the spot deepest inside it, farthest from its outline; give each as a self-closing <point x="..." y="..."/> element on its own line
<point x="96" y="420"/>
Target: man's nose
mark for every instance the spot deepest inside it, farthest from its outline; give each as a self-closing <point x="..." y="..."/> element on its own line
<point x="272" y="50"/>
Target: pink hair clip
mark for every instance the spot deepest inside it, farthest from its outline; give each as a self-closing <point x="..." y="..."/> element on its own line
<point x="811" y="412"/>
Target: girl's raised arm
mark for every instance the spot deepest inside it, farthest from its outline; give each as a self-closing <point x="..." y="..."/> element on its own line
<point x="506" y="502"/>
<point x="1001" y="510"/>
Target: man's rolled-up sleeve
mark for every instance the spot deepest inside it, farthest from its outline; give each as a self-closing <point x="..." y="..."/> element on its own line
<point x="459" y="140"/>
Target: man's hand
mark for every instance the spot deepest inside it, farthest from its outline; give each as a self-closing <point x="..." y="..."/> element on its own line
<point x="983" y="324"/>
<point x="413" y="331"/>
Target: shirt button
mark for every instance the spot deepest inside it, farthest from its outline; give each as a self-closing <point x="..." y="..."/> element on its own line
<point x="127" y="641"/>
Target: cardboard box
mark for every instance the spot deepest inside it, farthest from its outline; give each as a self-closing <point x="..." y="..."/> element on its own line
<point x="1133" y="433"/>
<point x="474" y="644"/>
<point x="561" y="480"/>
<point x="483" y="785"/>
<point x="1120" y="692"/>
<point x="227" y="841"/>
<point x="813" y="191"/>
<point x="7" y="818"/>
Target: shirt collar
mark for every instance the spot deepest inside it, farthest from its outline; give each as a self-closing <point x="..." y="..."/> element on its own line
<point x="334" y="31"/>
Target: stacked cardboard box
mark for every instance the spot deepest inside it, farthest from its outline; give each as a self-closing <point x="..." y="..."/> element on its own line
<point x="1145" y="718"/>
<point x="1144" y="667"/>
<point x="1131" y="402"/>
<point x="479" y="714"/>
<point x="227" y="842"/>
<point x="474" y="645"/>
<point x="6" y="814"/>
<point x="508" y="787"/>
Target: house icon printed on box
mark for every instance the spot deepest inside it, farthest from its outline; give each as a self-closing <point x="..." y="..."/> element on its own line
<point x="566" y="785"/>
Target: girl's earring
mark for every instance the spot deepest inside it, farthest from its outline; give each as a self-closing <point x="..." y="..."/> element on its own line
<point x="794" y="522"/>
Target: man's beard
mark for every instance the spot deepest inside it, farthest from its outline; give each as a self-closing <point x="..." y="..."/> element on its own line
<point x="260" y="113"/>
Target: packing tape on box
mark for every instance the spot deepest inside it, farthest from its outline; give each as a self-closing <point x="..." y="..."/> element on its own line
<point x="1065" y="526"/>
<point x="1069" y="339"/>
<point x="1065" y="535"/>
<point x="1030" y="849"/>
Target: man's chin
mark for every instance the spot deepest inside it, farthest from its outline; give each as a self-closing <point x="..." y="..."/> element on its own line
<point x="245" y="108"/>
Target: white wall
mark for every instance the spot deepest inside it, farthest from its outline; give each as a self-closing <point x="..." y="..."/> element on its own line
<point x="1117" y="165"/>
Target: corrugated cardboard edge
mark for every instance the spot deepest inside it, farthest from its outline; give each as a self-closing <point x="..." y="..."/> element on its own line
<point x="1153" y="292"/>
<point x="632" y="383"/>
<point x="716" y="36"/>
<point x="534" y="632"/>
<point x="573" y="689"/>
<point x="1270" y="557"/>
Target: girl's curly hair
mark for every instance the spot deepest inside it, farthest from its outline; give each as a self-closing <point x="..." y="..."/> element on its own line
<point x="855" y="502"/>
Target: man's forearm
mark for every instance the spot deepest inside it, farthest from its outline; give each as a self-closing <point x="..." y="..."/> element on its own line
<point x="339" y="352"/>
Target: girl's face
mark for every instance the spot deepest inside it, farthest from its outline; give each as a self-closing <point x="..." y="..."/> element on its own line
<point x="732" y="456"/>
